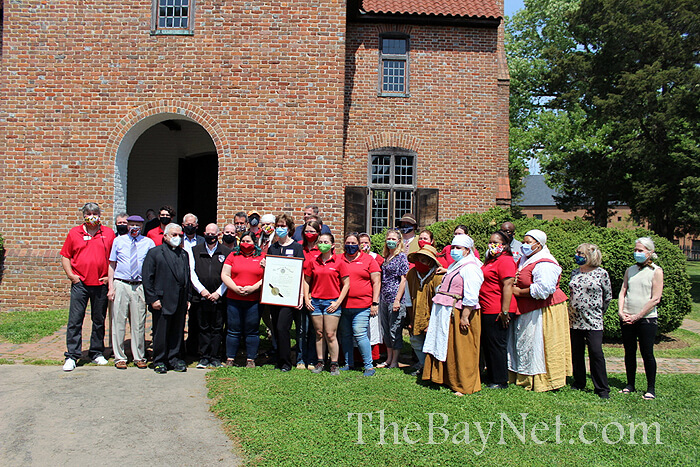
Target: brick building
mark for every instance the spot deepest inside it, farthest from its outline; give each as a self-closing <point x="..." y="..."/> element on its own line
<point x="369" y="108"/>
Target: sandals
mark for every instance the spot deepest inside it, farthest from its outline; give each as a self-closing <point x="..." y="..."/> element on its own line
<point x="121" y="365"/>
<point x="626" y="390"/>
<point x="382" y="365"/>
<point x="649" y="396"/>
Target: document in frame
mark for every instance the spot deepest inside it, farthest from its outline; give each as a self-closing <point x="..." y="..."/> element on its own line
<point x="282" y="281"/>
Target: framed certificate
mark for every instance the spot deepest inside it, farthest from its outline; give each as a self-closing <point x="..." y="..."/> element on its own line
<point x="282" y="281"/>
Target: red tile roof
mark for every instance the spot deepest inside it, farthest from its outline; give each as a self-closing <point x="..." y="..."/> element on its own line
<point x="464" y="8"/>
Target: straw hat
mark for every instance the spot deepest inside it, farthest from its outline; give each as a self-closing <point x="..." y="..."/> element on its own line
<point x="427" y="250"/>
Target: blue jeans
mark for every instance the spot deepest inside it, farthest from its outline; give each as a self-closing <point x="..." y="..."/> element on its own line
<point x="243" y="323"/>
<point x="306" y="339"/>
<point x="354" y="323"/>
<point x="321" y="305"/>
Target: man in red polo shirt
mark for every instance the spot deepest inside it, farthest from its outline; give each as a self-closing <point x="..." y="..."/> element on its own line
<point x="85" y="260"/>
<point x="166" y="215"/>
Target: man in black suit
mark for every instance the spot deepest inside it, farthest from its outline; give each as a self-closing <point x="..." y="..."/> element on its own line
<point x="166" y="285"/>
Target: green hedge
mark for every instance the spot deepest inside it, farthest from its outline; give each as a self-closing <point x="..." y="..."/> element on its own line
<point x="562" y="239"/>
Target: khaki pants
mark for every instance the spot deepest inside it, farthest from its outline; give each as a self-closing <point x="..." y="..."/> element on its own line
<point x="129" y="302"/>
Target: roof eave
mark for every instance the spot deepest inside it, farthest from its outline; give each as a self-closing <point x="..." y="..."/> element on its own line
<point x="423" y="19"/>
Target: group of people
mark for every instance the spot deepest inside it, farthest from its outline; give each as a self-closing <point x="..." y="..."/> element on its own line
<point x="504" y="315"/>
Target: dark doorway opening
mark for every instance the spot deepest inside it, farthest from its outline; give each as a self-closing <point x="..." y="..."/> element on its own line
<point x="198" y="187"/>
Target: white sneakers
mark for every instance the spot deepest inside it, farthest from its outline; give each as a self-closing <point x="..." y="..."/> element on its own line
<point x="69" y="364"/>
<point x="100" y="360"/>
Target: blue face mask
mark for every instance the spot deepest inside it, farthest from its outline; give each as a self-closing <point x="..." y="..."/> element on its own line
<point x="456" y="254"/>
<point x="391" y="244"/>
<point x="580" y="260"/>
<point x="281" y="232"/>
<point x="526" y="249"/>
<point x="351" y="249"/>
<point x="639" y="257"/>
<point x="406" y="229"/>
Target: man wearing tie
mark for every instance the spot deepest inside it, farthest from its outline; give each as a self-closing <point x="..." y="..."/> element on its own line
<point x="166" y="285"/>
<point x="126" y="292"/>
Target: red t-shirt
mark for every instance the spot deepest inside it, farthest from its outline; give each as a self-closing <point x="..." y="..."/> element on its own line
<point x="156" y="234"/>
<point x="310" y="255"/>
<point x="491" y="289"/>
<point x="360" y="293"/>
<point x="89" y="256"/>
<point x="378" y="258"/>
<point x="325" y="277"/>
<point x="245" y="270"/>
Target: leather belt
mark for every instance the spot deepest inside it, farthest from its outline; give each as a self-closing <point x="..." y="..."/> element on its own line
<point x="128" y="282"/>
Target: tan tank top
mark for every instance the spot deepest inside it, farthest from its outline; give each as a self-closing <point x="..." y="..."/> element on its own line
<point x="639" y="289"/>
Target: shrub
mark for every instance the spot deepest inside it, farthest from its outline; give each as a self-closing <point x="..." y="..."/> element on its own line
<point x="562" y="239"/>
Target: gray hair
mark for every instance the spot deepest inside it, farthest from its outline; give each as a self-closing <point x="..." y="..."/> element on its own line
<point x="189" y="214"/>
<point x="121" y="214"/>
<point x="648" y="243"/>
<point x="91" y="207"/>
<point x="170" y="227"/>
<point x="313" y="207"/>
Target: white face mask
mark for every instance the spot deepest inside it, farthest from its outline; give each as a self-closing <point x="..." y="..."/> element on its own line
<point x="175" y="241"/>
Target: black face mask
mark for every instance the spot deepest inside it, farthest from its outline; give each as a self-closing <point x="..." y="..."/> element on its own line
<point x="254" y="221"/>
<point x="210" y="239"/>
<point x="228" y="238"/>
<point x="164" y="220"/>
<point x="122" y="229"/>
<point x="190" y="229"/>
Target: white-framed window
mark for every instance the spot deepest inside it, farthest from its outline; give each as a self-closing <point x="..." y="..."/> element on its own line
<point x="393" y="65"/>
<point x="173" y="17"/>
<point x="392" y="183"/>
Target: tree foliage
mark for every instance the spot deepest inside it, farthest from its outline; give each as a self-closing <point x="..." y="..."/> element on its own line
<point x="633" y="72"/>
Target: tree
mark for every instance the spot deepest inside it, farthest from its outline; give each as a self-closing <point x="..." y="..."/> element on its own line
<point x="633" y="71"/>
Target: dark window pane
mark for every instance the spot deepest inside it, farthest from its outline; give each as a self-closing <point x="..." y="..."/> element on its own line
<point x="381" y="170"/>
<point x="394" y="46"/>
<point x="380" y="210"/>
<point x="402" y="203"/>
<point x="393" y="72"/>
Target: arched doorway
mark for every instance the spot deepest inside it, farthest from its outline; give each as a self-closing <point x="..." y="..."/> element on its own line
<point x="166" y="159"/>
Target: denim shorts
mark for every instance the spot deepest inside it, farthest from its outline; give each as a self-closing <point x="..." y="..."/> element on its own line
<point x="320" y="305"/>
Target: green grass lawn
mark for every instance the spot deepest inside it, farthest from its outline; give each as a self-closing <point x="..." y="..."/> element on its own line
<point x="694" y="273"/>
<point x="299" y="418"/>
<point x="19" y="327"/>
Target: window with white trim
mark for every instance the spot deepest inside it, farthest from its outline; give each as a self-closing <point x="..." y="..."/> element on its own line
<point x="174" y="17"/>
<point x="393" y="65"/>
<point x="392" y="182"/>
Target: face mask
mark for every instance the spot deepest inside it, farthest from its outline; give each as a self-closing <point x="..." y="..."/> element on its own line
<point x="254" y="221"/>
<point x="267" y="229"/>
<point x="580" y="260"/>
<point x="190" y="229"/>
<point x="496" y="249"/>
<point x="134" y="231"/>
<point x="391" y="244"/>
<point x="640" y="257"/>
<point x="175" y="241"/>
<point x="240" y="228"/>
<point x="325" y="247"/>
<point x="456" y="254"/>
<point x="164" y="220"/>
<point x="92" y="220"/>
<point x="122" y="229"/>
<point x="228" y="238"/>
<point x="246" y="248"/>
<point x="281" y="231"/>
<point x="351" y="249"/>
<point x="405" y="230"/>
<point x="422" y="268"/>
<point x="526" y="249"/>
<point x="422" y="243"/>
<point x="311" y="237"/>
<point x="365" y="247"/>
<point x="210" y="239"/>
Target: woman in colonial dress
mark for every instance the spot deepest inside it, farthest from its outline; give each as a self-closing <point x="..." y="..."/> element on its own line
<point x="454" y="332"/>
<point x="539" y="348"/>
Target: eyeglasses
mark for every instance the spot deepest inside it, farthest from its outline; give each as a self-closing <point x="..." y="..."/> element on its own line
<point x="177" y="235"/>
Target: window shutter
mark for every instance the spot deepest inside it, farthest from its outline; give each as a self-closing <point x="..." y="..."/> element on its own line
<point x="356" y="208"/>
<point x="426" y="206"/>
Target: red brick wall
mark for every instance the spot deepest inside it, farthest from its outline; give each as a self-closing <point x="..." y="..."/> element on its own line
<point x="454" y="119"/>
<point x="265" y="78"/>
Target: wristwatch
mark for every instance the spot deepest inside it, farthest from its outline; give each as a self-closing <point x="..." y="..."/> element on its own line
<point x="375" y="303"/>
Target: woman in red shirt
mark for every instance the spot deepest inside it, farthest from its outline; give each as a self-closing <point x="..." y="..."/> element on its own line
<point x="243" y="276"/>
<point x="375" y="331"/>
<point x="306" y="341"/>
<point x="361" y="303"/>
<point x="325" y="287"/>
<point x="497" y="308"/>
<point x="444" y="256"/>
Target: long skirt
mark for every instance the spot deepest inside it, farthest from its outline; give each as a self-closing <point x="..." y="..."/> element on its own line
<point x="460" y="370"/>
<point x="556" y="348"/>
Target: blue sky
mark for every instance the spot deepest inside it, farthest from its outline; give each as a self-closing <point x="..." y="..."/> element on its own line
<point x="511" y="6"/>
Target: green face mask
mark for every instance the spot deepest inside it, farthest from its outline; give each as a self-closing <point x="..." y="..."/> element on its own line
<point x="391" y="244"/>
<point x="324" y="247"/>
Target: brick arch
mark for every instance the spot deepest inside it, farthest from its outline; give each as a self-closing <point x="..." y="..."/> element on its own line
<point x="392" y="140"/>
<point x="137" y="121"/>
